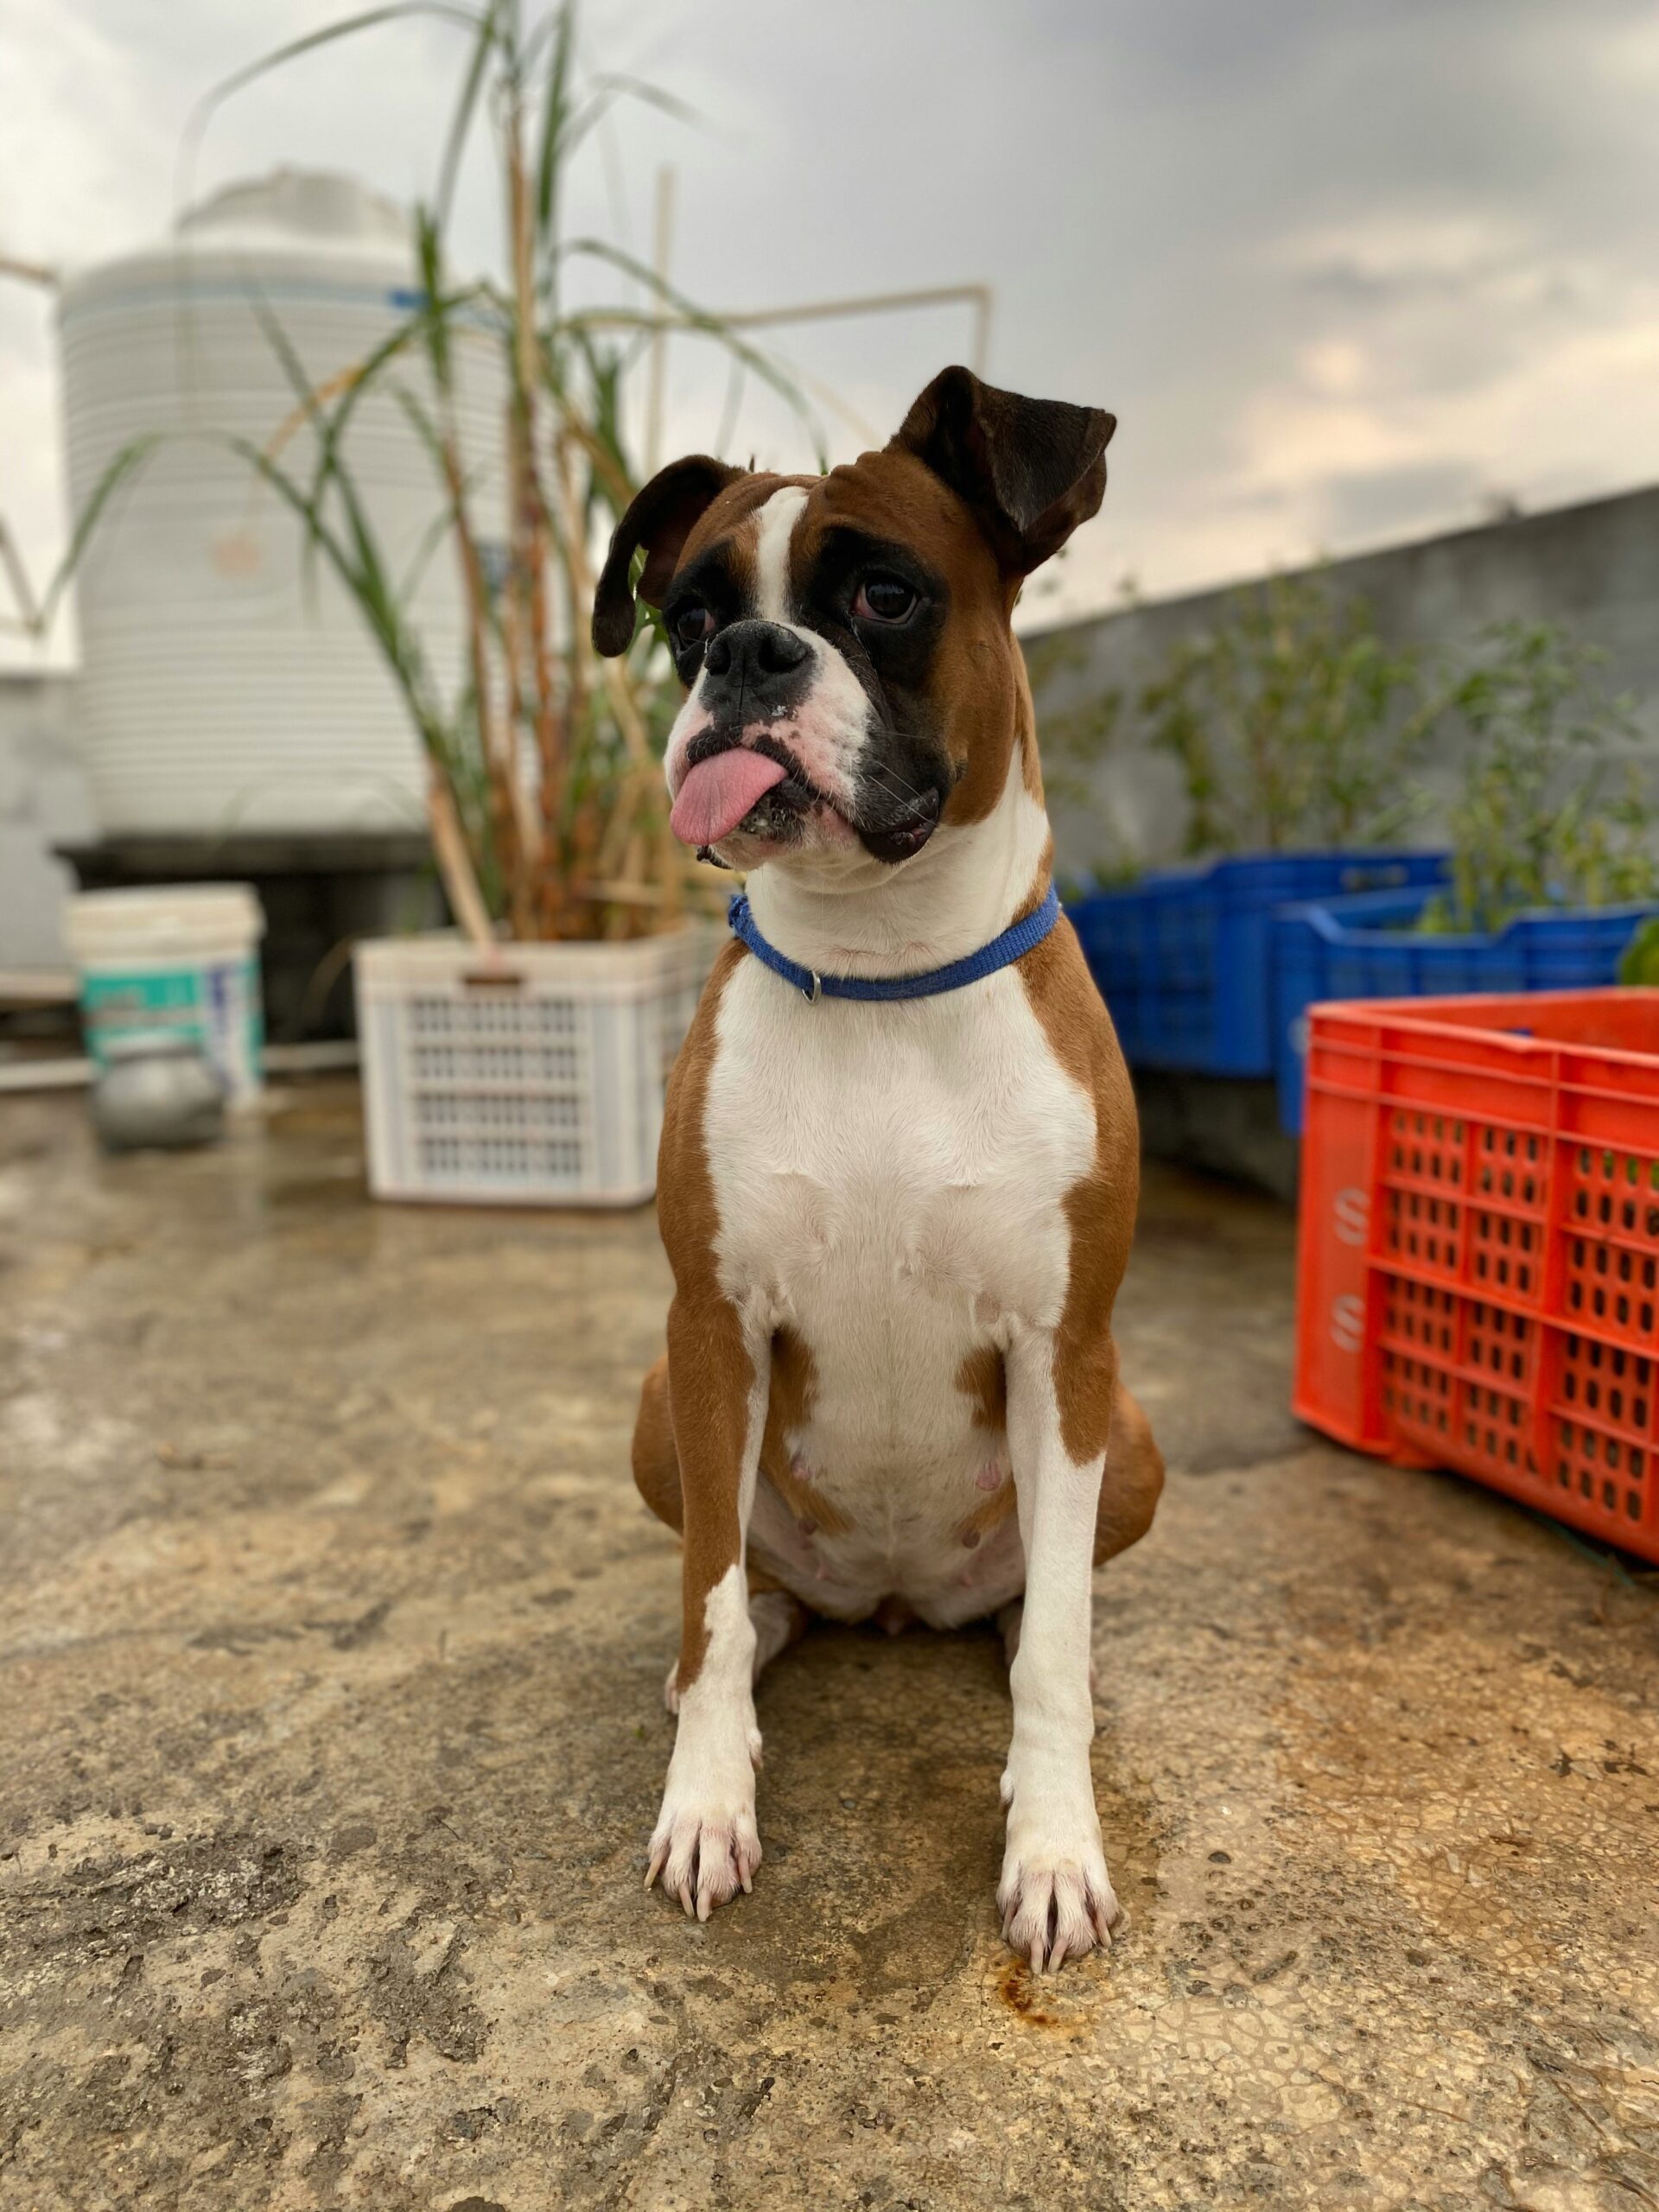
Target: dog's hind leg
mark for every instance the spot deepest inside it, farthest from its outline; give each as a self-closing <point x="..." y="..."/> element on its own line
<point x="1131" y="1485"/>
<point x="779" y="1620"/>
<point x="656" y="1462"/>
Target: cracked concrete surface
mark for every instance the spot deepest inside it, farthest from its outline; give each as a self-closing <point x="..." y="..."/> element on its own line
<point x="332" y="1638"/>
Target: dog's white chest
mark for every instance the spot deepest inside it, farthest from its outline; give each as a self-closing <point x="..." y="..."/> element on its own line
<point x="890" y="1182"/>
<point x="915" y="1153"/>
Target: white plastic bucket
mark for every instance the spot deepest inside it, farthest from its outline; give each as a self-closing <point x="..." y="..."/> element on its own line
<point x="179" y="960"/>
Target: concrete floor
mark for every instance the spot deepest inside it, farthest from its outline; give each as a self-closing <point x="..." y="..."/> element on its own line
<point x="332" y="1639"/>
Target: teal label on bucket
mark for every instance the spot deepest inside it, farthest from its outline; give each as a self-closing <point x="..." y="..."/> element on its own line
<point x="215" y="1006"/>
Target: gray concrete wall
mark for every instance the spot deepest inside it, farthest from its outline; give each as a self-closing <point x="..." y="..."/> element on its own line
<point x="1594" y="569"/>
<point x="43" y="802"/>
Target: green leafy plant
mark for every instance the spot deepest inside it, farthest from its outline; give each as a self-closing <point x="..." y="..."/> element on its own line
<point x="1640" y="964"/>
<point x="1073" y="739"/>
<point x="1539" y="819"/>
<point x="1294" y="726"/>
<point x="545" y="793"/>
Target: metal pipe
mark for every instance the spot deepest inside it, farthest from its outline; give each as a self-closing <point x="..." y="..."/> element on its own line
<point x="30" y="272"/>
<point x="979" y="296"/>
<point x="662" y="244"/>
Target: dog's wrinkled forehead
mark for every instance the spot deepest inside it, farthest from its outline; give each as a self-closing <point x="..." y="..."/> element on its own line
<point x="767" y="537"/>
<point x="729" y="533"/>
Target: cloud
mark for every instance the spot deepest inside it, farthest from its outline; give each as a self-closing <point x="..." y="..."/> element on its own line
<point x="1341" y="272"/>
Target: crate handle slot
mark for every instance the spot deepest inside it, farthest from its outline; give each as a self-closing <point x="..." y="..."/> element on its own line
<point x="493" y="979"/>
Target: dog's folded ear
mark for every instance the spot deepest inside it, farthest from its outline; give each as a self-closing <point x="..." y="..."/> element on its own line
<point x="1030" y="469"/>
<point x="660" y="517"/>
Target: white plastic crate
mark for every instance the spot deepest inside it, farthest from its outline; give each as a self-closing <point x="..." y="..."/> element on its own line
<point x="530" y="1075"/>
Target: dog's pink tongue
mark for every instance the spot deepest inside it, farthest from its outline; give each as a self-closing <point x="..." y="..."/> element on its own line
<point x="718" y="792"/>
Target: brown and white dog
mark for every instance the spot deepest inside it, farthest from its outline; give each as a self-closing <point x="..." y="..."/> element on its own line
<point x="897" y="1229"/>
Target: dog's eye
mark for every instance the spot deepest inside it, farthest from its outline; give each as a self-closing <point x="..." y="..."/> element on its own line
<point x="692" y="625"/>
<point x="884" y="598"/>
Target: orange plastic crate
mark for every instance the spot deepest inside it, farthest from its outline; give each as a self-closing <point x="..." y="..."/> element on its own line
<point x="1478" y="1250"/>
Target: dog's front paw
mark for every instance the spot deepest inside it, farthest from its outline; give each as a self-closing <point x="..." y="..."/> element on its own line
<point x="1056" y="1896"/>
<point x="704" y="1853"/>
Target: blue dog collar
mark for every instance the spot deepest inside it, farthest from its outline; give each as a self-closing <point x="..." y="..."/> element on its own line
<point x="1001" y="952"/>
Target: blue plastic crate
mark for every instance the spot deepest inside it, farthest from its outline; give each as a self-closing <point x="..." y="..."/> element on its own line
<point x="1182" y="959"/>
<point x="1364" y="948"/>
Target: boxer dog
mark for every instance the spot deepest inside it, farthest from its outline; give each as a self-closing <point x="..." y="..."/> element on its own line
<point x="897" y="1221"/>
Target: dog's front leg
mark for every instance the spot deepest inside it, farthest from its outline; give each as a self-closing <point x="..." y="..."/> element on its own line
<point x="1055" y="1894"/>
<point x="706" y="1846"/>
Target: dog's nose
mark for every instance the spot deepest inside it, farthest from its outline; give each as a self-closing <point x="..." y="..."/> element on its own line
<point x="755" y="662"/>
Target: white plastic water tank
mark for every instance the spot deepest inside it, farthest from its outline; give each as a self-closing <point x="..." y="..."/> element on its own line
<point x="224" y="689"/>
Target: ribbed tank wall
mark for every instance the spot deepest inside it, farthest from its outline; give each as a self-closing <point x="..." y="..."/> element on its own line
<point x="228" y="684"/>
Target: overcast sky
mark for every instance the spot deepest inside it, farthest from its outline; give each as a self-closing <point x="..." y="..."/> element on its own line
<point x="1347" y="271"/>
